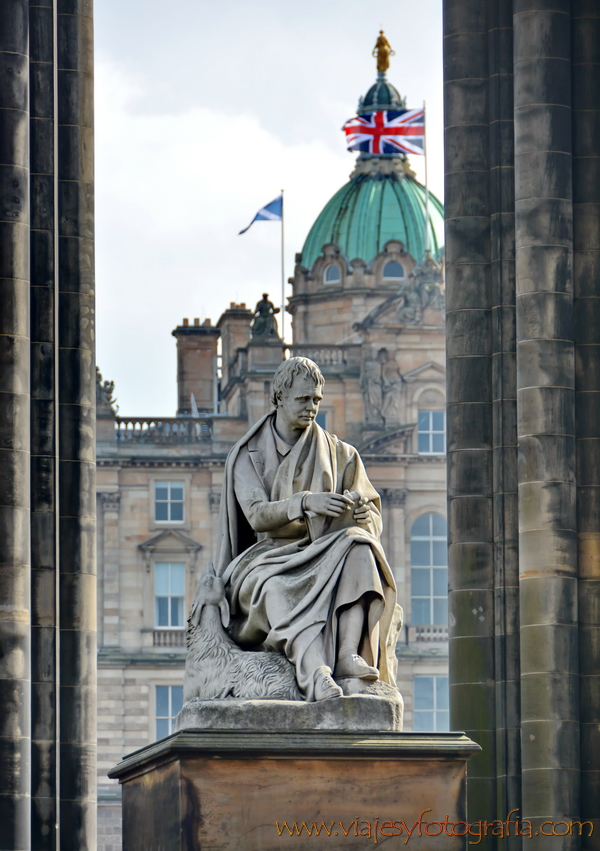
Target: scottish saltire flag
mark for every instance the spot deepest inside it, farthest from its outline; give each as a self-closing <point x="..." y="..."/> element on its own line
<point x="387" y="132"/>
<point x="273" y="212"/>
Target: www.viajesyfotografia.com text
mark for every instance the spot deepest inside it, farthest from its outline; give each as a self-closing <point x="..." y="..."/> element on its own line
<point x="376" y="829"/>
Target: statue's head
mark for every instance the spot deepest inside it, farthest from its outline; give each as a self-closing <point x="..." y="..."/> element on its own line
<point x="293" y="368"/>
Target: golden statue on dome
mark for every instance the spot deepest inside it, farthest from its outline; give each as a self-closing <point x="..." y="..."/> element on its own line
<point x="383" y="51"/>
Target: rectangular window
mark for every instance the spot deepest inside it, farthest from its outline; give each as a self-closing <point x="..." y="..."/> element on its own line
<point x="169" y="700"/>
<point x="429" y="571"/>
<point x="432" y="432"/>
<point x="321" y="419"/>
<point x="169" y="594"/>
<point x="430" y="702"/>
<point x="168" y="502"/>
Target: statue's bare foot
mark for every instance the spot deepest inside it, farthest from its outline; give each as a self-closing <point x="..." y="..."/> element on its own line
<point x="325" y="686"/>
<point x="353" y="665"/>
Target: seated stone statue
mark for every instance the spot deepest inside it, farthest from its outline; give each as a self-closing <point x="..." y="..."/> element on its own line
<point x="304" y="571"/>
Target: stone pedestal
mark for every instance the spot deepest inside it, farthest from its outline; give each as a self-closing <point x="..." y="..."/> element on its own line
<point x="379" y="707"/>
<point x="230" y="790"/>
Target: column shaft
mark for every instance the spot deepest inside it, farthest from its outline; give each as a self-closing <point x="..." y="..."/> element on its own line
<point x="504" y="392"/>
<point x="468" y="295"/>
<point x="586" y="281"/>
<point x="545" y="405"/>
<point x="44" y="561"/>
<point x="15" y="723"/>
<point x="76" y="427"/>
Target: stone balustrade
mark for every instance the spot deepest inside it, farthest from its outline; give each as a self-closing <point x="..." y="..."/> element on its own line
<point x="428" y="633"/>
<point x="163" y="429"/>
<point x="168" y="638"/>
<point x="326" y="356"/>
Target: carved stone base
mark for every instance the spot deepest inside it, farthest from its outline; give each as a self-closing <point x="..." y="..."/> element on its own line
<point x="227" y="791"/>
<point x="379" y="707"/>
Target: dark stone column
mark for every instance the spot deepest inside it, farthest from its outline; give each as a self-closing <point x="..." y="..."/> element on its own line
<point x="14" y="429"/>
<point x="77" y="382"/>
<point x="586" y="279"/>
<point x="546" y="421"/>
<point x="44" y="620"/>
<point x="504" y="390"/>
<point x="468" y="293"/>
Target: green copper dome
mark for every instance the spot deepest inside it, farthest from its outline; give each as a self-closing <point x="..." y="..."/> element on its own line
<point x="382" y="201"/>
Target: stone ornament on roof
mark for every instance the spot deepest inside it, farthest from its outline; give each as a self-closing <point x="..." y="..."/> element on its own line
<point x="264" y="324"/>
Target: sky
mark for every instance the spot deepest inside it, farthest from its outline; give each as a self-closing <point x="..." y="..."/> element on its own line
<point x="204" y="111"/>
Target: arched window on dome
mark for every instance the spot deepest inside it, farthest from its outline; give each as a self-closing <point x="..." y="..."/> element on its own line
<point x="332" y="274"/>
<point x="394" y="271"/>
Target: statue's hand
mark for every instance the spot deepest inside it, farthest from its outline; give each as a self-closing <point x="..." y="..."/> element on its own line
<point x="328" y="504"/>
<point x="362" y="512"/>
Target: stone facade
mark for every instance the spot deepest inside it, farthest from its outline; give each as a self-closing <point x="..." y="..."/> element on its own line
<point x="382" y="354"/>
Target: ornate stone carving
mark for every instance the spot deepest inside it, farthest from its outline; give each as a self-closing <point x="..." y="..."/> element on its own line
<point x="395" y="497"/>
<point x="110" y="500"/>
<point x="105" y="400"/>
<point x="214" y="501"/>
<point x="381" y="383"/>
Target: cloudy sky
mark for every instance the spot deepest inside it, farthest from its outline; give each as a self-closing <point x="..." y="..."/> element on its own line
<point x="204" y="111"/>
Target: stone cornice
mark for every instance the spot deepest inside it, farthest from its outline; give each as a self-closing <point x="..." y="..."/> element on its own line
<point x="150" y="463"/>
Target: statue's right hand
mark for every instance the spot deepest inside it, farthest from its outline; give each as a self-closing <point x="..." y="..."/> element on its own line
<point x="328" y="504"/>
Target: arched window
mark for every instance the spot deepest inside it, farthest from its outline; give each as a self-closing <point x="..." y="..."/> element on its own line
<point x="332" y="274"/>
<point x="393" y="271"/>
<point x="429" y="570"/>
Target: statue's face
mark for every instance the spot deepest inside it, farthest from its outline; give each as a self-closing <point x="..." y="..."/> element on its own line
<point x="299" y="403"/>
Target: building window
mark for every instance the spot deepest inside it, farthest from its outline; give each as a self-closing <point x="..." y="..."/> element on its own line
<point x="432" y="432"/>
<point x="393" y="271"/>
<point x="169" y="700"/>
<point x="332" y="274"/>
<point x="429" y="570"/>
<point x="430" y="701"/>
<point x="169" y="594"/>
<point x="168" y="502"/>
<point x="321" y="419"/>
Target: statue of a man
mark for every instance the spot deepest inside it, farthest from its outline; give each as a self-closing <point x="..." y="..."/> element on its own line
<point x="304" y="570"/>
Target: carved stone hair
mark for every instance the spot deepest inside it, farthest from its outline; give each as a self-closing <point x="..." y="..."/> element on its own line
<point x="288" y="370"/>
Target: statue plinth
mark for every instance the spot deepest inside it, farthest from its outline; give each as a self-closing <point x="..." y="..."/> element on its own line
<point x="378" y="711"/>
<point x="227" y="790"/>
<point x="265" y="353"/>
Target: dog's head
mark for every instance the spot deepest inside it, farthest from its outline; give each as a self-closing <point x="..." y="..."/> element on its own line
<point x="210" y="591"/>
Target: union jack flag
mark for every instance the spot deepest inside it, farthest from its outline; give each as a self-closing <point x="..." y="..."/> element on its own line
<point x="388" y="131"/>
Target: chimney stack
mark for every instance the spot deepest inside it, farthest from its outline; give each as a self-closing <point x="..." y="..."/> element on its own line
<point x="196" y="366"/>
<point x="234" y="326"/>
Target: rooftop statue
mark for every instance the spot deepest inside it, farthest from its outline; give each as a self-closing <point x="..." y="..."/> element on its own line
<point x="300" y="562"/>
<point x="264" y="325"/>
<point x="383" y="51"/>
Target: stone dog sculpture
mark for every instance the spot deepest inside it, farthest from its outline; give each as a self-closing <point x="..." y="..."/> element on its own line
<point x="300" y="559"/>
<point x="216" y="667"/>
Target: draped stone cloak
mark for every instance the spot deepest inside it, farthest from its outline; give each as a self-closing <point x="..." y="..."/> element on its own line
<point x="287" y="581"/>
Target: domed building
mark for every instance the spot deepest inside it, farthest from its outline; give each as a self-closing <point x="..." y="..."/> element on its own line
<point x="367" y="305"/>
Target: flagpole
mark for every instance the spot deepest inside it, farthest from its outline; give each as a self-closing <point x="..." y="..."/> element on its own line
<point x="427" y="246"/>
<point x="282" y="274"/>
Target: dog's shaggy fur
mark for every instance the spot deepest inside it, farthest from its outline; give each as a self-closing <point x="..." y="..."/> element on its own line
<point x="216" y="667"/>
